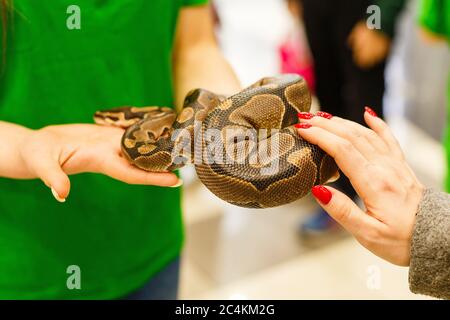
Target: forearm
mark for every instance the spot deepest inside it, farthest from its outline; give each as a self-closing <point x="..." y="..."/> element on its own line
<point x="11" y="163"/>
<point x="203" y="67"/>
<point x="430" y="250"/>
<point x="197" y="60"/>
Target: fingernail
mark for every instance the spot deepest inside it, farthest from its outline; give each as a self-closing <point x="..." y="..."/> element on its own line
<point x="179" y="184"/>
<point x="324" y="114"/>
<point x="322" y="194"/>
<point x="305" y="115"/>
<point x="371" y="112"/>
<point x="303" y="126"/>
<point x="57" y="197"/>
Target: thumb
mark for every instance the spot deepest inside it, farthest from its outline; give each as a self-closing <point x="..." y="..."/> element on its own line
<point x="342" y="209"/>
<point x="50" y="172"/>
<point x="351" y="37"/>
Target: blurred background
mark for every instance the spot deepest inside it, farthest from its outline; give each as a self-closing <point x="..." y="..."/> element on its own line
<point x="235" y="253"/>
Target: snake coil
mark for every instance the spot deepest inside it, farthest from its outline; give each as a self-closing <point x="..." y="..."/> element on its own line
<point x="245" y="148"/>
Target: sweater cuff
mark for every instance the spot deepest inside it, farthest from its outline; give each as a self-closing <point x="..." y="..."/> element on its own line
<point x="429" y="271"/>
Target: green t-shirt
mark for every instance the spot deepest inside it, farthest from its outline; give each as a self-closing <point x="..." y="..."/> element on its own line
<point x="118" y="235"/>
<point x="434" y="15"/>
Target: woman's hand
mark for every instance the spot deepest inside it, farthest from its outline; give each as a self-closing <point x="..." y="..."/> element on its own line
<point x="370" y="47"/>
<point x="375" y="165"/>
<point x="54" y="152"/>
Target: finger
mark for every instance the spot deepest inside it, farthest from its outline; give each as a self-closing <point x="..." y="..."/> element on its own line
<point x="363" y="58"/>
<point x="364" y="52"/>
<point x="50" y="172"/>
<point x="363" y="62"/>
<point x="364" y="139"/>
<point x="342" y="209"/>
<point x="351" y="39"/>
<point x="369" y="134"/>
<point x="358" y="44"/>
<point x="351" y="162"/>
<point x="354" y="36"/>
<point x="120" y="169"/>
<point x="384" y="132"/>
<point x="347" y="157"/>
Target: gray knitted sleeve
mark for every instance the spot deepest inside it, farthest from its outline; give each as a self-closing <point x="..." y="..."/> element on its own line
<point x="429" y="271"/>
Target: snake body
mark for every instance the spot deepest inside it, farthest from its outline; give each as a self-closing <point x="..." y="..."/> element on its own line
<point x="244" y="147"/>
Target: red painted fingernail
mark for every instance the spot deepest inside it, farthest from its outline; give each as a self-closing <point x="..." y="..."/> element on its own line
<point x="322" y="194"/>
<point x="305" y="115"/>
<point x="323" y="114"/>
<point x="303" y="126"/>
<point x="371" y="112"/>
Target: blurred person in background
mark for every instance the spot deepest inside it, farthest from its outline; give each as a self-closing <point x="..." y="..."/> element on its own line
<point x="349" y="62"/>
<point x="403" y="222"/>
<point x="434" y="19"/>
<point x="295" y="54"/>
<point x="123" y="237"/>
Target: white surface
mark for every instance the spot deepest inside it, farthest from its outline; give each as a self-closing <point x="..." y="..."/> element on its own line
<point x="250" y="34"/>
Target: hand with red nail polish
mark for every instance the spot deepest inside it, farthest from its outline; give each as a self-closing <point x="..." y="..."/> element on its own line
<point x="322" y="194"/>
<point x="370" y="111"/>
<point x="324" y="114"/>
<point x="303" y="126"/>
<point x="376" y="167"/>
<point x="305" y="115"/>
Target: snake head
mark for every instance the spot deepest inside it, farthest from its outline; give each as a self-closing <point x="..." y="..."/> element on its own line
<point x="125" y="117"/>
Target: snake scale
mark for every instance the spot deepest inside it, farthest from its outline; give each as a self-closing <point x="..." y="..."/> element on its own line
<point x="245" y="147"/>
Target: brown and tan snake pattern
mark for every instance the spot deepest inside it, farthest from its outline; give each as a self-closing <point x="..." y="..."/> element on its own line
<point x="245" y="148"/>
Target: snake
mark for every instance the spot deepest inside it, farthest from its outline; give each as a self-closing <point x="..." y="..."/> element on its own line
<point x="245" y="147"/>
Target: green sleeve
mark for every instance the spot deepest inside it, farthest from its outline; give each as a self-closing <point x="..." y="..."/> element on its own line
<point x="390" y="10"/>
<point x="434" y="15"/>
<point x="194" y="2"/>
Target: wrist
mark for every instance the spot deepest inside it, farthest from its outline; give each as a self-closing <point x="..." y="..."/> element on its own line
<point x="23" y="151"/>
